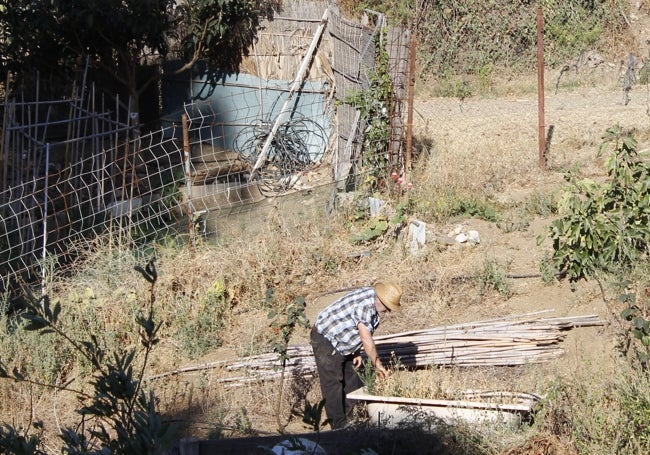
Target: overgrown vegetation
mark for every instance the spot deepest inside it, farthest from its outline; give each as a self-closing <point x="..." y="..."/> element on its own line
<point x="604" y="227"/>
<point x="477" y="38"/>
<point x="220" y="293"/>
<point x="285" y="324"/>
<point x="600" y="415"/>
<point x="449" y="203"/>
<point x="602" y="233"/>
<point x="466" y="46"/>
<point x="208" y="317"/>
<point x="117" y="415"/>
<point x="203" y="293"/>
<point x="376" y="109"/>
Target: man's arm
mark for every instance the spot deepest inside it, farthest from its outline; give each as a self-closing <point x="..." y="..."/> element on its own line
<point x="371" y="350"/>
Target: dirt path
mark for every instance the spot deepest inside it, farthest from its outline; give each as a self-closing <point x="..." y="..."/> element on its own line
<point x="578" y="117"/>
<point x="499" y="138"/>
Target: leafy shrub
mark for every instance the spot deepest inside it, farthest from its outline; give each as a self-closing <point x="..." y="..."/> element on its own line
<point x="604" y="227"/>
<point x="285" y="324"/>
<point x="639" y="327"/>
<point x="376" y="108"/>
<point x="376" y="227"/>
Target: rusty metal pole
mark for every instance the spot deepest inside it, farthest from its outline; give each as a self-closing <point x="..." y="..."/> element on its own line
<point x="411" y="97"/>
<point x="540" y="88"/>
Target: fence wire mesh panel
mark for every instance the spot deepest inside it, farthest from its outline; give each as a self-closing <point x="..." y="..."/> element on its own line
<point x="397" y="47"/>
<point x="232" y="151"/>
<point x="228" y="132"/>
<point x="130" y="191"/>
<point x="363" y="58"/>
<point x="53" y="155"/>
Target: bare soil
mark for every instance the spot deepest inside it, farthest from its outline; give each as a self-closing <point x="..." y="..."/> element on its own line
<point x="509" y="125"/>
<point x="496" y="138"/>
<point x="491" y="143"/>
<point x="499" y="136"/>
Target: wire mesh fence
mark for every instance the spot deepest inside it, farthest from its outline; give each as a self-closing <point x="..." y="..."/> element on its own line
<point x="226" y="148"/>
<point x="127" y="190"/>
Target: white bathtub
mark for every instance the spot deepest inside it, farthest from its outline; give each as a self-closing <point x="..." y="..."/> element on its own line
<point x="508" y="408"/>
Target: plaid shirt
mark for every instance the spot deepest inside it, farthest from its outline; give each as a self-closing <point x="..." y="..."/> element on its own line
<point x="338" y="322"/>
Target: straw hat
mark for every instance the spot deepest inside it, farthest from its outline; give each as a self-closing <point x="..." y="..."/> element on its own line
<point x="389" y="293"/>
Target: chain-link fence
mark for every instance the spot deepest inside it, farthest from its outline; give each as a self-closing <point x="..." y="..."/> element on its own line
<point x="227" y="145"/>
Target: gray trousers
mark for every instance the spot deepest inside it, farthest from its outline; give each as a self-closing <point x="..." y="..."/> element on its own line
<point x="337" y="378"/>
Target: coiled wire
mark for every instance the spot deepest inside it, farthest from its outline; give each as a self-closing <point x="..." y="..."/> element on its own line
<point x="296" y="148"/>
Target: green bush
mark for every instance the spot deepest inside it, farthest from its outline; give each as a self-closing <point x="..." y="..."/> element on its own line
<point x="604" y="227"/>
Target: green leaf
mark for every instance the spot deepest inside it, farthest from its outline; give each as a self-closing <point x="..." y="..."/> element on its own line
<point x="35" y="322"/>
<point x="628" y="313"/>
<point x="640" y="323"/>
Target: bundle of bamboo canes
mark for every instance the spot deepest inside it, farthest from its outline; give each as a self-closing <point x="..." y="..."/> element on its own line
<point x="497" y="342"/>
<point x="516" y="340"/>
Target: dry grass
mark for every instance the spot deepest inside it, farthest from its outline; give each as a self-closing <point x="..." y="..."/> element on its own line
<point x="450" y="383"/>
<point x="468" y="153"/>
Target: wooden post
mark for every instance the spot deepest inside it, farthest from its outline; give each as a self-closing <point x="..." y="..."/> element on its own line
<point x="540" y="88"/>
<point x="188" y="177"/>
<point x="411" y="97"/>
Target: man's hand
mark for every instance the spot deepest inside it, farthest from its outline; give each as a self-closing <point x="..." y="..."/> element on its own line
<point x="371" y="351"/>
<point x="381" y="371"/>
<point x="357" y="361"/>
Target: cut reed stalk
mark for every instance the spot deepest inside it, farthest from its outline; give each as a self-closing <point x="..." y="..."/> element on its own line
<point x="497" y="342"/>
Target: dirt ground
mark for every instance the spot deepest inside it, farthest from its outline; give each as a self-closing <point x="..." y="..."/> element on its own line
<point x="497" y="139"/>
<point x="493" y="142"/>
<point x="578" y="116"/>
